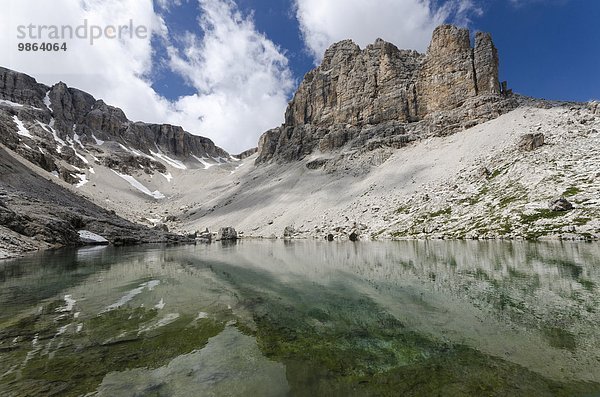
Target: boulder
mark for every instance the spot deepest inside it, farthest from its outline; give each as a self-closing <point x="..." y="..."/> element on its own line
<point x="227" y="233"/>
<point x="529" y="142"/>
<point x="560" y="204"/>
<point x="353" y="236"/>
<point x="205" y="236"/>
<point x="161" y="226"/>
<point x="288" y="232"/>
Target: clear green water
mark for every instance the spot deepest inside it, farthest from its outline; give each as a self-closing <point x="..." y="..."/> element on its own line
<point x="306" y="318"/>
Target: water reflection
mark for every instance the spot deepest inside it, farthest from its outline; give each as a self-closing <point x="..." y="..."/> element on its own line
<point x="342" y="318"/>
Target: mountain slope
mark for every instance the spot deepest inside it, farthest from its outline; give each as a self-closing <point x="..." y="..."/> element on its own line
<point x="37" y="213"/>
<point x="377" y="143"/>
<point x="476" y="183"/>
<point x="67" y="131"/>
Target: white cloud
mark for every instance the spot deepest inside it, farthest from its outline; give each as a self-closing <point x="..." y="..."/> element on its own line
<point x="241" y="77"/>
<point x="406" y="23"/>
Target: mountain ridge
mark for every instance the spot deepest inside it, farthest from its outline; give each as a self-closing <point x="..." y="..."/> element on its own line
<point x="68" y="119"/>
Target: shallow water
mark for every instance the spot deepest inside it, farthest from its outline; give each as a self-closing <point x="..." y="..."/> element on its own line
<point x="271" y="318"/>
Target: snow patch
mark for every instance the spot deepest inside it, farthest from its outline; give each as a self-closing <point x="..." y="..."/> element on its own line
<point x="69" y="304"/>
<point x="82" y="180"/>
<point x="77" y="139"/>
<point x="160" y="304"/>
<point x="166" y="320"/>
<point x="88" y="237"/>
<point x="47" y="101"/>
<point x="10" y="103"/>
<point x="21" y="130"/>
<point x="124" y="148"/>
<point x="50" y="128"/>
<point x="99" y="142"/>
<point x="203" y="162"/>
<point x="172" y="162"/>
<point x="62" y="330"/>
<point x="201" y="315"/>
<point x="133" y="182"/>
<point x="168" y="176"/>
<point x="86" y="161"/>
<point x="152" y="284"/>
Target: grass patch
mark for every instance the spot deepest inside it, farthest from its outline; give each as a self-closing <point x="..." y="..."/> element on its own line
<point x="476" y="198"/>
<point x="581" y="221"/>
<point x="445" y="211"/>
<point x="587" y="284"/>
<point x="571" y="191"/>
<point x="541" y="214"/>
<point x="405" y="209"/>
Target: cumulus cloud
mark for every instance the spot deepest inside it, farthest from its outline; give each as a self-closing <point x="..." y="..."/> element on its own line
<point x="406" y="23"/>
<point x="241" y="78"/>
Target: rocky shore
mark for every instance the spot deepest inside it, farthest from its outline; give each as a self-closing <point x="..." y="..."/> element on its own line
<point x="36" y="213"/>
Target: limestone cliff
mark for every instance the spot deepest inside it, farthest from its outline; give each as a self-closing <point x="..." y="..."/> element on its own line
<point x="390" y="95"/>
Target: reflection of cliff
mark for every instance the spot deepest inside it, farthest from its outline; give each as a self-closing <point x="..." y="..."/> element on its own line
<point x="535" y="303"/>
<point x="542" y="284"/>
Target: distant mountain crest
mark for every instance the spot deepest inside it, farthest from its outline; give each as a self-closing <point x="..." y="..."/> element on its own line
<point x="63" y="129"/>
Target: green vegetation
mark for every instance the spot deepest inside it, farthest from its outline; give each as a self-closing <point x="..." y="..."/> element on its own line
<point x="581" y="221"/>
<point x="495" y="174"/>
<point x="571" y="191"/>
<point x="444" y="211"/>
<point x="477" y="197"/>
<point x="541" y="214"/>
<point x="352" y="348"/>
<point x="587" y="284"/>
<point x="404" y="209"/>
<point x="111" y="341"/>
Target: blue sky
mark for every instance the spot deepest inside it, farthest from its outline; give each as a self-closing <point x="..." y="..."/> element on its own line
<point x="548" y="48"/>
<point x="226" y="69"/>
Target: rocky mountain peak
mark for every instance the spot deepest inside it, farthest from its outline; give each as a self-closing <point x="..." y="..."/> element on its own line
<point x="355" y="89"/>
<point x="447" y="39"/>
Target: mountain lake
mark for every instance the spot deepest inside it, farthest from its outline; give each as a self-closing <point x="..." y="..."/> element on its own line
<point x="303" y="318"/>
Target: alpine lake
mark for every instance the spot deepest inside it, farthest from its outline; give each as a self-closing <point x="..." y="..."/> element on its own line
<point x="303" y="318"/>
